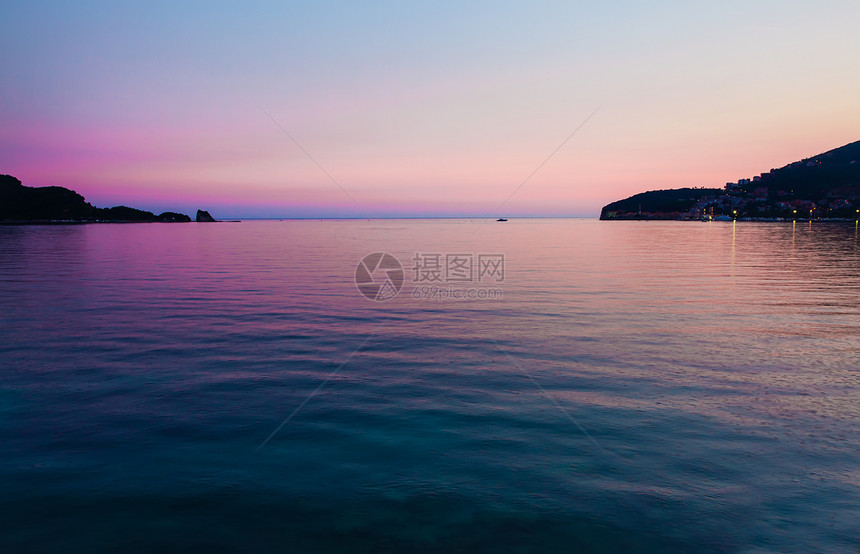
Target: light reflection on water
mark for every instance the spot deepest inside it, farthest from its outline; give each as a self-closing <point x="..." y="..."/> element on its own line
<point x="711" y="366"/>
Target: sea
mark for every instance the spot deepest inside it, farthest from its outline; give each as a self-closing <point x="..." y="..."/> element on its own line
<point x="437" y="385"/>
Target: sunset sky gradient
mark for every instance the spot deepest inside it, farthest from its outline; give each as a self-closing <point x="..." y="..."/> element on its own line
<point x="430" y="109"/>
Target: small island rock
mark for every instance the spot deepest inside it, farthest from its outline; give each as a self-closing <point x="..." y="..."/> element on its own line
<point x="204" y="217"/>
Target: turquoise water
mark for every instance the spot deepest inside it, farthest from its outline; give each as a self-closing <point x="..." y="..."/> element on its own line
<point x="636" y="387"/>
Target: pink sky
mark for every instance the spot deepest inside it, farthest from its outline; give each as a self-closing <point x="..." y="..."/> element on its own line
<point x="414" y="113"/>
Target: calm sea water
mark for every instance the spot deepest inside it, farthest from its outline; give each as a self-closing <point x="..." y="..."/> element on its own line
<point x="639" y="387"/>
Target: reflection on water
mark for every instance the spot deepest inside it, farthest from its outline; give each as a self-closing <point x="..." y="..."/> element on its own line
<point x="648" y="386"/>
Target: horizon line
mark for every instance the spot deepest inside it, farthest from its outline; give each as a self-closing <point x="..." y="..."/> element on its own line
<point x="225" y="218"/>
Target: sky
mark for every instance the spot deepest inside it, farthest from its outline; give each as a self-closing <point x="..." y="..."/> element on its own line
<point x="398" y="109"/>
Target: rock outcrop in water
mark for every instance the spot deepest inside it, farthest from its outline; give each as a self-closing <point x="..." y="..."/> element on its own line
<point x="826" y="186"/>
<point x="204" y="217"/>
<point x="22" y="204"/>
